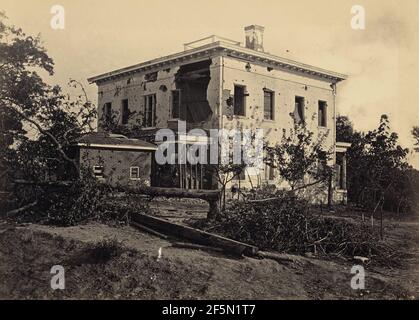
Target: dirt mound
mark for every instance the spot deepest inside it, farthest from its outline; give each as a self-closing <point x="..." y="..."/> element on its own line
<point x="145" y="267"/>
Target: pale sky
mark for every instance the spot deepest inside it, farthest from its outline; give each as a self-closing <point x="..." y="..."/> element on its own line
<point x="102" y="35"/>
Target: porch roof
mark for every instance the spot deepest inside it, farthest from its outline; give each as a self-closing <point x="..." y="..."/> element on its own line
<point x="342" y="146"/>
<point x="104" y="140"/>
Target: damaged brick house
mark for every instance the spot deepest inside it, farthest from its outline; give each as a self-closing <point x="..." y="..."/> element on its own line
<point x="217" y="83"/>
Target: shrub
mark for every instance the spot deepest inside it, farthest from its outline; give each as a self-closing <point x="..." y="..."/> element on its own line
<point x="85" y="199"/>
<point x="289" y="225"/>
<point x="104" y="251"/>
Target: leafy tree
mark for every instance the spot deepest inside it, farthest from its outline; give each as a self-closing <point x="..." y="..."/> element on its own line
<point x="32" y="109"/>
<point x="112" y="123"/>
<point x="377" y="168"/>
<point x="227" y="170"/>
<point x="415" y="133"/>
<point x="299" y="156"/>
<point x="344" y="129"/>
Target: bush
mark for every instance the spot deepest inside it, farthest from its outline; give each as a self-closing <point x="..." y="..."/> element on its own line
<point x="85" y="199"/>
<point x="288" y="225"/>
<point x="104" y="251"/>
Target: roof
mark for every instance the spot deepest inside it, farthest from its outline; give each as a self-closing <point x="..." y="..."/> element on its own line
<point x="222" y="46"/>
<point x="342" y="146"/>
<point x="104" y="140"/>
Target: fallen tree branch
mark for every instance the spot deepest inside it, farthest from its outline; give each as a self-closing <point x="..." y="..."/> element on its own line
<point x="288" y="191"/>
<point x="44" y="183"/>
<point x="58" y="145"/>
<point x="211" y="196"/>
<point x="4" y="173"/>
<point x="21" y="209"/>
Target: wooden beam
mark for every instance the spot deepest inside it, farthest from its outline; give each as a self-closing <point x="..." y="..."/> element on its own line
<point x="148" y="230"/>
<point x="194" y="235"/>
<point x="195" y="246"/>
<point x="211" y="196"/>
<point x="44" y="183"/>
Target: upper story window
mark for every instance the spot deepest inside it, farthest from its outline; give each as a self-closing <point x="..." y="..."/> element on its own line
<point x="150" y="77"/>
<point x="322" y="114"/>
<point x="124" y="111"/>
<point x="175" y="104"/>
<point x="107" y="112"/>
<point x="150" y="110"/>
<point x="299" y="110"/>
<point x="268" y="104"/>
<point x="239" y="100"/>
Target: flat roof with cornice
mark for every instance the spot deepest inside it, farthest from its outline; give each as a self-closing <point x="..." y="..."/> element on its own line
<point x="222" y="47"/>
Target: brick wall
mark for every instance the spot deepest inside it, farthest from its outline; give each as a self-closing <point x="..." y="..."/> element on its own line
<point x="116" y="164"/>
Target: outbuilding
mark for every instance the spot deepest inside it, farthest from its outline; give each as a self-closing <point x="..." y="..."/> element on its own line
<point x="116" y="159"/>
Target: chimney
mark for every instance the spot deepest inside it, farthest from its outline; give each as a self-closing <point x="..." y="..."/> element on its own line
<point x="254" y="37"/>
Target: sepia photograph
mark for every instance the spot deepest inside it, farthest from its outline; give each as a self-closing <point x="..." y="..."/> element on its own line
<point x="209" y="158"/>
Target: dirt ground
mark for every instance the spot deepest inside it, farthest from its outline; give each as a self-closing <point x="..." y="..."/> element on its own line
<point x="150" y="268"/>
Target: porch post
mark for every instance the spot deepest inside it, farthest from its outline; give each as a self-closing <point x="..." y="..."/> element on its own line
<point x="344" y="171"/>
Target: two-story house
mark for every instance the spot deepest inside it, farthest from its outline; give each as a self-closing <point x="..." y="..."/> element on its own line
<point x="217" y="83"/>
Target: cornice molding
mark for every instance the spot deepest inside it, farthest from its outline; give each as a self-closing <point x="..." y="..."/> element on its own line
<point x="224" y="49"/>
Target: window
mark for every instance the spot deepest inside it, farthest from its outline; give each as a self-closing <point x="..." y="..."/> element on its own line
<point x="269" y="172"/>
<point x="241" y="176"/>
<point x="239" y="100"/>
<point x="299" y="110"/>
<point x="124" y="111"/>
<point x="150" y="77"/>
<point x="322" y="164"/>
<point x="150" y="110"/>
<point x="322" y="114"/>
<point x="107" y="112"/>
<point x="268" y="104"/>
<point x="175" y="104"/>
<point x="98" y="171"/>
<point x="134" y="173"/>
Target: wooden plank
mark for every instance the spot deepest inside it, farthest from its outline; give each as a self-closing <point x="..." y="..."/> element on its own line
<point x="281" y="257"/>
<point x="195" y="246"/>
<point x="194" y="235"/>
<point x="151" y="231"/>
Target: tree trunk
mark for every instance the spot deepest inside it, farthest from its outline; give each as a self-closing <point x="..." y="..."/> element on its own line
<point x="330" y="193"/>
<point x="211" y="196"/>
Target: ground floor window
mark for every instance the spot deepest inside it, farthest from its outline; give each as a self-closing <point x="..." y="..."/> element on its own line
<point x="269" y="173"/>
<point x="340" y="171"/>
<point x="241" y="176"/>
<point x="134" y="173"/>
<point x="98" y="171"/>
